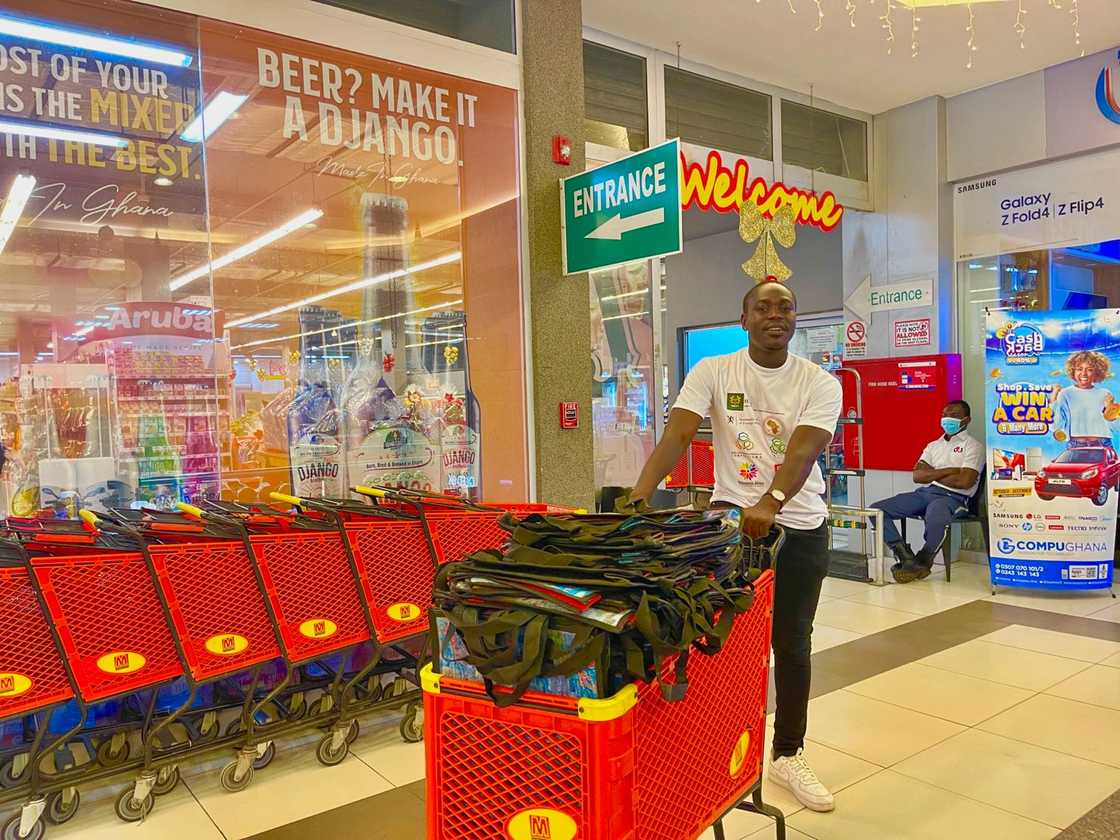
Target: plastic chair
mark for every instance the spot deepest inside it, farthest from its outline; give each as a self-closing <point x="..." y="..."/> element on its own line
<point x="977" y="512"/>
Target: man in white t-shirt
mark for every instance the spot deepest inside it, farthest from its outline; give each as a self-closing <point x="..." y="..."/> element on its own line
<point x="949" y="471"/>
<point x="772" y="415"/>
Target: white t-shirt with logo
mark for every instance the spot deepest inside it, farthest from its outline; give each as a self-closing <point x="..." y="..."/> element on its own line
<point x="754" y="411"/>
<point x="961" y="450"/>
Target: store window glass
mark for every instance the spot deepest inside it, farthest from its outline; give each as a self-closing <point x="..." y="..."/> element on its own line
<point x="824" y="142"/>
<point x="489" y="23"/>
<point x="718" y="115"/>
<point x="259" y="269"/>
<point x="622" y="362"/>
<point x="1008" y="282"/>
<point x="614" y="95"/>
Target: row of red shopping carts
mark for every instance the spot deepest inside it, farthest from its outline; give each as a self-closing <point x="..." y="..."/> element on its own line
<point x="132" y="640"/>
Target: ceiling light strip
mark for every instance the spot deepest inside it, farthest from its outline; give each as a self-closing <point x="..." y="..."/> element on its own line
<point x="365" y="282"/>
<point x="217" y="111"/>
<point x="248" y="248"/>
<point x="432" y="308"/>
<point x="54" y="132"/>
<point x="18" y="193"/>
<point x="78" y="39"/>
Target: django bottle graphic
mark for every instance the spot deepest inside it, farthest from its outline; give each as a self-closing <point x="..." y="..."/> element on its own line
<point x="313" y="440"/>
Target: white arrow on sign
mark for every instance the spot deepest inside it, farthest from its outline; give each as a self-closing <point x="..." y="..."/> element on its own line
<point x="615" y="226"/>
<point x="859" y="301"/>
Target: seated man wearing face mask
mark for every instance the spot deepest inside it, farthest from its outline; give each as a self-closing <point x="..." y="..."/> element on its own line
<point x="949" y="471"/>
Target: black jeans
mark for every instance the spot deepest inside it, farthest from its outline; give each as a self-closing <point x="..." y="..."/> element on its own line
<point x="801" y="569"/>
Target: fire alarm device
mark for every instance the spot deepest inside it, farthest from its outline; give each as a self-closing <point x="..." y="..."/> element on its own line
<point x="562" y="150"/>
<point x="569" y="415"/>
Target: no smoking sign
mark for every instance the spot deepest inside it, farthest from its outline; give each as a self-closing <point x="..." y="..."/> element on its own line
<point x="855" y="340"/>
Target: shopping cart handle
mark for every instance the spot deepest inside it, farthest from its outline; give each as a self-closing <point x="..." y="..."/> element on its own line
<point x="88" y="517"/>
<point x="376" y="492"/>
<point x="284" y="497"/>
<point x="190" y="510"/>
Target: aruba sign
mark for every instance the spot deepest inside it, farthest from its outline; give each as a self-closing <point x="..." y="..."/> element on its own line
<point x="715" y="186"/>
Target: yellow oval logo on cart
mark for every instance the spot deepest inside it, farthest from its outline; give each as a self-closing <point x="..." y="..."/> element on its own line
<point x="121" y="662"/>
<point x="403" y="611"/>
<point x="227" y="644"/>
<point x="739" y="754"/>
<point x="13" y="685"/>
<point x="542" y="824"/>
<point x="318" y="628"/>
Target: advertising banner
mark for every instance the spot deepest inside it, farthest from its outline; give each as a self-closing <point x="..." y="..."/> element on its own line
<point x="1052" y="463"/>
<point x="1056" y="205"/>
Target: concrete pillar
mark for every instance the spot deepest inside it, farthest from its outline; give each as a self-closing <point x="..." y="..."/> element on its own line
<point x="559" y="309"/>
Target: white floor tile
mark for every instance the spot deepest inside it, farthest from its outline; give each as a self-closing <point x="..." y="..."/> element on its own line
<point x="861" y="618"/>
<point x="944" y="694"/>
<point x="1097" y="684"/>
<point x="914" y="598"/>
<point x="825" y="637"/>
<point x="294" y="786"/>
<point x="1054" y="643"/>
<point x="1003" y="664"/>
<point x="176" y="816"/>
<point x="1080" y="604"/>
<point x="1041" y="784"/>
<point x="878" y="732"/>
<point x="893" y="807"/>
<point x="841" y="588"/>
<point x="384" y="751"/>
<point x="1110" y="612"/>
<point x="1090" y="732"/>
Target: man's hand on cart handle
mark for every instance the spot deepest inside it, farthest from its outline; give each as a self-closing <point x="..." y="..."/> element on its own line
<point x="758" y="519"/>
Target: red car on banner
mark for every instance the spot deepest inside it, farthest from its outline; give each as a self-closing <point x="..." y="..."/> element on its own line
<point x="1086" y="472"/>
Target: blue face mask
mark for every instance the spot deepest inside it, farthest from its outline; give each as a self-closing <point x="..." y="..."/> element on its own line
<point x="951" y="425"/>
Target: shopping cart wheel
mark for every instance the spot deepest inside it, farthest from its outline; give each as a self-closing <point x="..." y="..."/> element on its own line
<point x="9" y="778"/>
<point x="297" y="706"/>
<point x="11" y="830"/>
<point x="264" y="759"/>
<point x="210" y="728"/>
<point x="59" y="810"/>
<point x="412" y="725"/>
<point x="353" y="732"/>
<point x="397" y="688"/>
<point x="229" y="780"/>
<point x="110" y="756"/>
<point x="328" y="754"/>
<point x="166" y="780"/>
<point x="131" y="809"/>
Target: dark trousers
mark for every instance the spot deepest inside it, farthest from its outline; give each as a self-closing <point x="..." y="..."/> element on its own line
<point x="936" y="505"/>
<point x="801" y="569"/>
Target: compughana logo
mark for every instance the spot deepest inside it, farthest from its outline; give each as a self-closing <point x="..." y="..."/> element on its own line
<point x="739" y="754"/>
<point x="13" y="685"/>
<point x="1107" y="100"/>
<point x="748" y="471"/>
<point x="541" y="824"/>
<point x="121" y="662"/>
<point x="227" y="644"/>
<point x="403" y="611"/>
<point x="318" y="628"/>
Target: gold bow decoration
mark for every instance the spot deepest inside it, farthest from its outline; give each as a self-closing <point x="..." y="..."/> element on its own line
<point x="753" y="226"/>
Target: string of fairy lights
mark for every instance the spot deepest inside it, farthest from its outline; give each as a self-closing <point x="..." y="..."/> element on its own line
<point x="886" y="21"/>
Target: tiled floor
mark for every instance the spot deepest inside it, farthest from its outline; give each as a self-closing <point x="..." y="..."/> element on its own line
<point x="938" y="711"/>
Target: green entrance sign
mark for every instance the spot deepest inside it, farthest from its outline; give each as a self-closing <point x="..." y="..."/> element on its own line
<point x="626" y="210"/>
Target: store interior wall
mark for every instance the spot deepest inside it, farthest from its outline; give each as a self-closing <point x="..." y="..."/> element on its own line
<point x="705" y="283"/>
<point x="908" y="237"/>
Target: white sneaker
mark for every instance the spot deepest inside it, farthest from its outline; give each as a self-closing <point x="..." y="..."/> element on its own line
<point x="795" y="775"/>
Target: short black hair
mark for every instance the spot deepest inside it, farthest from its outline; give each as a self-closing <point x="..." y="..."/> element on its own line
<point x="757" y="286"/>
<point x="962" y="405"/>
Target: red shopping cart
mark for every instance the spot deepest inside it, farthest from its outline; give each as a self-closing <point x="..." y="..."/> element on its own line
<point x="631" y="767"/>
<point x="34" y="682"/>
